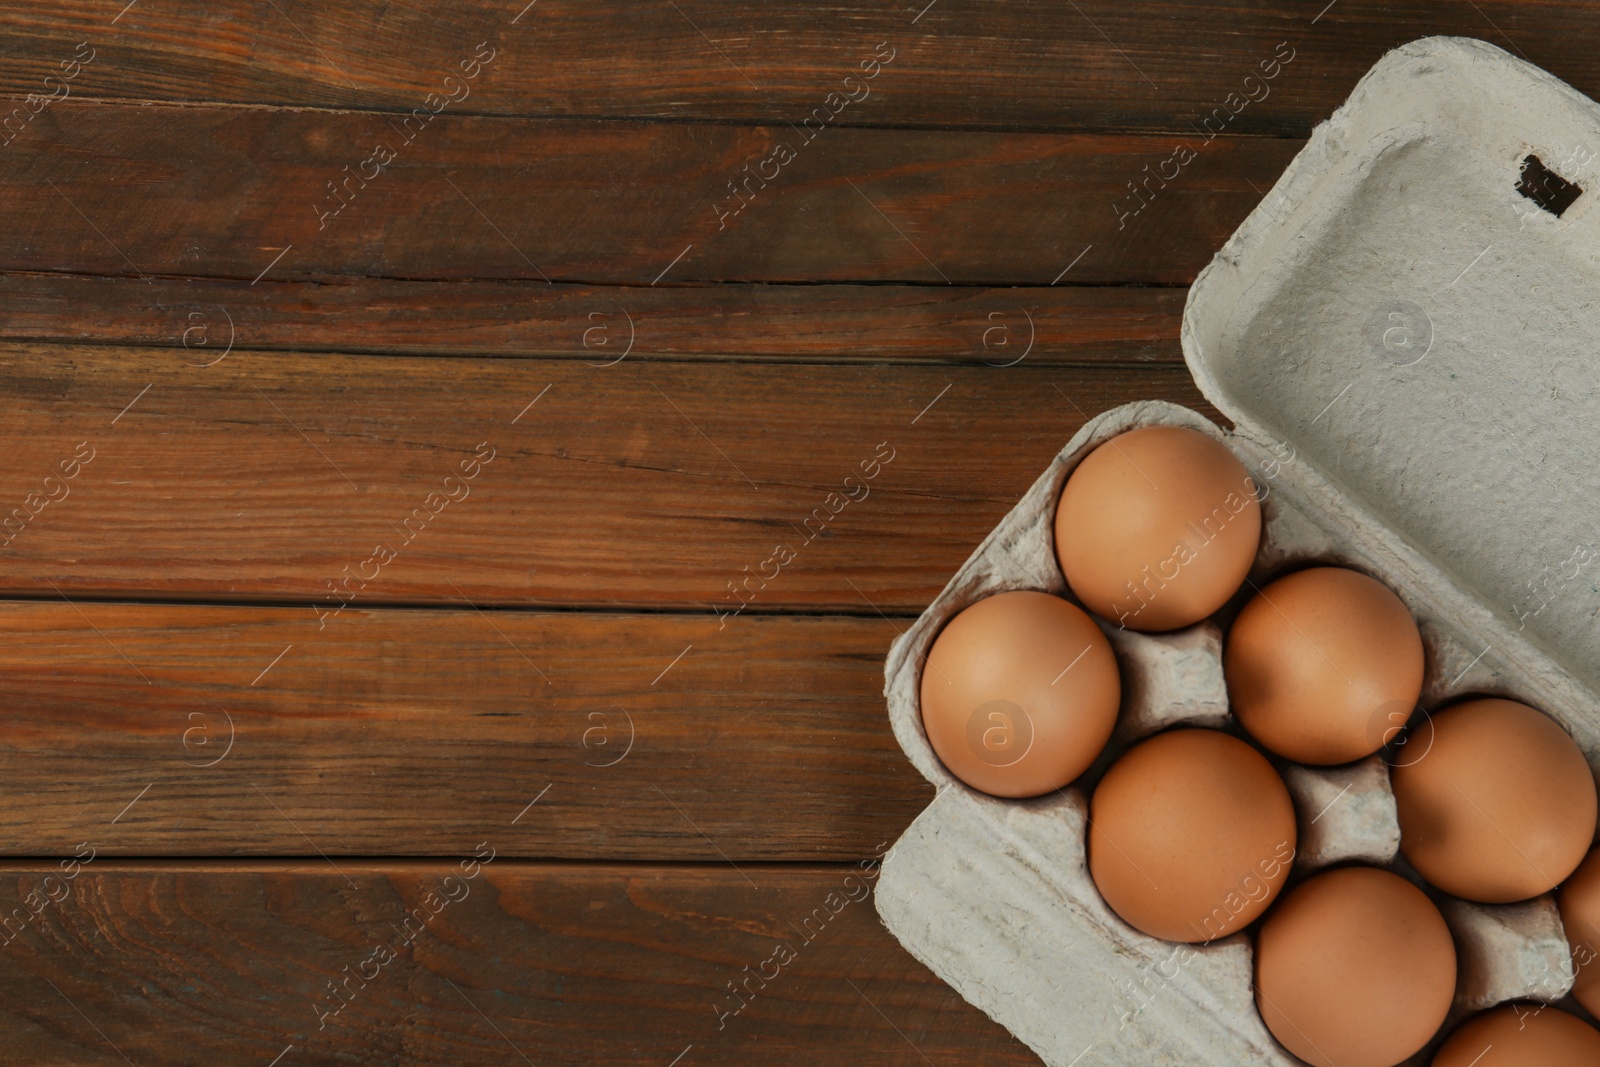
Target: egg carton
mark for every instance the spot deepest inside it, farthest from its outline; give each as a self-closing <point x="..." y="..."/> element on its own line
<point x="1403" y="341"/>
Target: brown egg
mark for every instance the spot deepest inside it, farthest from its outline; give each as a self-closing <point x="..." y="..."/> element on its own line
<point x="1019" y="694"/>
<point x="1496" y="803"/>
<point x="1157" y="528"/>
<point x="1191" y="835"/>
<point x="1354" y="969"/>
<point x="1324" y="665"/>
<point x="1521" y="1035"/>
<point x="1580" y="914"/>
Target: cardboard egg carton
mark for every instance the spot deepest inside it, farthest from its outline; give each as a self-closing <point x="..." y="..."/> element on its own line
<point x="1405" y="345"/>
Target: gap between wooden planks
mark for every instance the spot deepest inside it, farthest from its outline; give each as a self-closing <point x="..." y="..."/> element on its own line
<point x="560" y="964"/>
<point x="603" y="324"/>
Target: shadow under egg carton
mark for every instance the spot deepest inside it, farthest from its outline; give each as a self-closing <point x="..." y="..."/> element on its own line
<point x="1331" y="310"/>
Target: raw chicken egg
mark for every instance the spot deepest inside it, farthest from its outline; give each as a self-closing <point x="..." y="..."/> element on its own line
<point x="1496" y="801"/>
<point x="1157" y="528"/>
<point x="1580" y="915"/>
<point x="1324" y="666"/>
<point x="1354" y="969"/>
<point x="1020" y="694"/>
<point x="1191" y="835"/>
<point x="1522" y="1035"/>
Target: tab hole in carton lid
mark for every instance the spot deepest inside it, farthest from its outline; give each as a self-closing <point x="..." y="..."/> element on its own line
<point x="1547" y="188"/>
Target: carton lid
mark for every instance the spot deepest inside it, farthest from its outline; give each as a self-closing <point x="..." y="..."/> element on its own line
<point x="1412" y="344"/>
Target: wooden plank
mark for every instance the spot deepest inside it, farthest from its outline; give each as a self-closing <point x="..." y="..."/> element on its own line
<point x="595" y="324"/>
<point x="556" y="965"/>
<point x="1096" y="64"/>
<point x="191" y="730"/>
<point x="284" y="477"/>
<point x="248" y="193"/>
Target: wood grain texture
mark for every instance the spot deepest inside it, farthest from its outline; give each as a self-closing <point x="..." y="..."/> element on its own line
<point x="244" y="193"/>
<point x="595" y="324"/>
<point x="279" y="477"/>
<point x="190" y="730"/>
<point x="274" y="394"/>
<point x="556" y="965"/>
<point x="1039" y="64"/>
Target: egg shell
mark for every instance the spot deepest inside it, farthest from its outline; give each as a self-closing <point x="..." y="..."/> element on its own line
<point x="1354" y="968"/>
<point x="1020" y="694"/>
<point x="1157" y="528"/>
<point x="1192" y="835"/>
<point x="1496" y="801"/>
<point x="1324" y="665"/>
<point x="1580" y="916"/>
<point x="1521" y="1035"/>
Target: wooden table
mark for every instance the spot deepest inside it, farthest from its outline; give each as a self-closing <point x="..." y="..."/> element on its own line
<point x="464" y="467"/>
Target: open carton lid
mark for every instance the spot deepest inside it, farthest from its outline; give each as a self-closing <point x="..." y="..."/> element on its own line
<point x="1415" y="340"/>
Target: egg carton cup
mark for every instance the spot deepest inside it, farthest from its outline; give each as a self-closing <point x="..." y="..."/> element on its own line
<point x="1405" y="346"/>
<point x="1344" y="814"/>
<point x="1509" y="952"/>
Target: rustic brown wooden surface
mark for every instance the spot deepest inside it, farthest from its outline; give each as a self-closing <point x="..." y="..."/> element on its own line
<point x="266" y="475"/>
<point x="958" y="265"/>
<point x="1092" y="64"/>
<point x="202" y="964"/>
<point x="245" y="192"/>
<point x="253" y="730"/>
